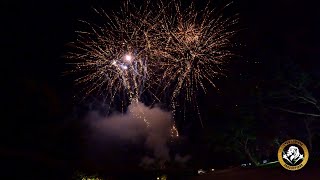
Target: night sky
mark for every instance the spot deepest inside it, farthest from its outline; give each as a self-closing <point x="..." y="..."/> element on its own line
<point x="38" y="100"/>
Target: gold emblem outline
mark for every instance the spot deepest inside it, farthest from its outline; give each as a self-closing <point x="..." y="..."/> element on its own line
<point x="305" y="153"/>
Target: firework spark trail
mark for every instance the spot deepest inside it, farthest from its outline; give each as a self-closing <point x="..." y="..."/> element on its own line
<point x="162" y="48"/>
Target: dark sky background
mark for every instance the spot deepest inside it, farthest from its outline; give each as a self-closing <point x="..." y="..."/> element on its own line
<point x="37" y="100"/>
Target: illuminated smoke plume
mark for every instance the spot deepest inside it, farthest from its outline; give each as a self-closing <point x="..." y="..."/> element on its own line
<point x="130" y="127"/>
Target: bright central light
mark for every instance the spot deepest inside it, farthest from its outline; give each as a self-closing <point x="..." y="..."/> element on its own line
<point x="128" y="57"/>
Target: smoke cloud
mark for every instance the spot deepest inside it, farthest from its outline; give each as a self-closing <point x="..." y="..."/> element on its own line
<point x="131" y="127"/>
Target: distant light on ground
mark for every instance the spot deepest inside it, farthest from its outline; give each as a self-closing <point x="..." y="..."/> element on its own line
<point x="201" y="171"/>
<point x="163" y="177"/>
<point x="82" y="176"/>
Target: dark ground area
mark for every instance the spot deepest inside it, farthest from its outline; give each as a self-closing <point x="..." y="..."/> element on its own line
<point x="307" y="173"/>
<point x="48" y="169"/>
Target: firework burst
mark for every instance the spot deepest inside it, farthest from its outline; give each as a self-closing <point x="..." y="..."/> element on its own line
<point x="113" y="58"/>
<point x="159" y="48"/>
<point x="193" y="47"/>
